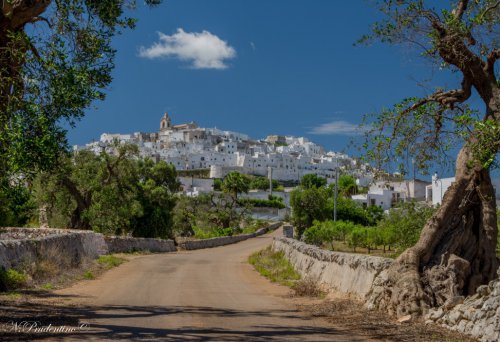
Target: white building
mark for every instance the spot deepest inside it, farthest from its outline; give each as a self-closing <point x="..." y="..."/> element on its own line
<point x="188" y="146"/>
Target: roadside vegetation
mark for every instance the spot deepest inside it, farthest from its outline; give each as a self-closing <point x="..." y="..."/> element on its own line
<point x="52" y="272"/>
<point x="275" y="267"/>
<point x="357" y="229"/>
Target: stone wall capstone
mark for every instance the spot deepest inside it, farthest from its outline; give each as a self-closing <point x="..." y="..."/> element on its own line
<point x="344" y="272"/>
<point x="225" y="240"/>
<point x="118" y="244"/>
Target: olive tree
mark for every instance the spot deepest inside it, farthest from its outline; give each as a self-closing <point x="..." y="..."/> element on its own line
<point x="456" y="250"/>
<point x="56" y="59"/>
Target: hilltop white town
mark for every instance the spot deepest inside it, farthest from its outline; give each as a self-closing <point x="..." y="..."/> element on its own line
<point x="284" y="158"/>
<point x="188" y="146"/>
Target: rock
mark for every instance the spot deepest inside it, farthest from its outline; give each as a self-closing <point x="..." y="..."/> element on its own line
<point x="469" y="313"/>
<point x="483" y="290"/>
<point x="435" y="314"/>
<point x="450" y="303"/>
<point x="404" y="319"/>
<point x="454" y="317"/>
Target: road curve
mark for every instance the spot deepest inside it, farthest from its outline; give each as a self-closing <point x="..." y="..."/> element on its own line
<point x="202" y="295"/>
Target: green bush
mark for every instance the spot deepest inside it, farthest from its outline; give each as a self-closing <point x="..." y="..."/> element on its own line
<point x="12" y="279"/>
<point x="275" y="202"/>
<point x="402" y="226"/>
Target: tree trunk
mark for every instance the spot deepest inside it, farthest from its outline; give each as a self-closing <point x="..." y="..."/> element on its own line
<point x="455" y="253"/>
<point x="82" y="203"/>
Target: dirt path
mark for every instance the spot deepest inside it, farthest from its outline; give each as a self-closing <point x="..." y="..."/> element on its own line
<point x="204" y="295"/>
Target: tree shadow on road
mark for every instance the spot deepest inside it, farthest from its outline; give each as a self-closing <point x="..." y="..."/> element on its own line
<point x="111" y="323"/>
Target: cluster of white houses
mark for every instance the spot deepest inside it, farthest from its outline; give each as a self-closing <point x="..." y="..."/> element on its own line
<point x="189" y="147"/>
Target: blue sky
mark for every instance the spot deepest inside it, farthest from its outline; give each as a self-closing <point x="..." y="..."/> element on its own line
<point x="262" y="67"/>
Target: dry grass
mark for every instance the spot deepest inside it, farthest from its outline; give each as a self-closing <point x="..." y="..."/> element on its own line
<point x="307" y="288"/>
<point x="275" y="267"/>
<point x="350" y="314"/>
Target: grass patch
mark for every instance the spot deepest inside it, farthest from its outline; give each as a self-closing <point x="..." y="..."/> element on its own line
<point x="47" y="286"/>
<point x="88" y="275"/>
<point x="110" y="261"/>
<point x="274" y="266"/>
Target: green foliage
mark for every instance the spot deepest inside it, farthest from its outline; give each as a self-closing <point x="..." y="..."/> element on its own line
<point x="274" y="266"/>
<point x="313" y="203"/>
<point x="111" y="194"/>
<point x="235" y="183"/>
<point x="274" y="202"/>
<point x="88" y="275"/>
<point x="110" y="261"/>
<point x="425" y="129"/>
<point x="399" y="229"/>
<point x="262" y="183"/>
<point x="217" y="184"/>
<point x="347" y="185"/>
<point x="327" y="231"/>
<point x="308" y="205"/>
<point x="402" y="226"/>
<point x="51" y="70"/>
<point x="311" y="180"/>
<point x="12" y="279"/>
<point x="209" y="214"/>
<point x="16" y="205"/>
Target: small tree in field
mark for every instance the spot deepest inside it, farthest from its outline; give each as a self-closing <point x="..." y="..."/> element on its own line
<point x="456" y="250"/>
<point x="235" y="183"/>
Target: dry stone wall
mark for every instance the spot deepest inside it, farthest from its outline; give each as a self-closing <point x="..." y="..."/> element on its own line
<point x="477" y="315"/>
<point x="21" y="247"/>
<point x="344" y="272"/>
<point x="117" y="244"/>
<point x="225" y="240"/>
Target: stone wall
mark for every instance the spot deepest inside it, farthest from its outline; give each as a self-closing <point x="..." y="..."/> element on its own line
<point x="21" y="247"/>
<point x="118" y="244"/>
<point x="336" y="271"/>
<point x="225" y="240"/>
<point x="477" y="315"/>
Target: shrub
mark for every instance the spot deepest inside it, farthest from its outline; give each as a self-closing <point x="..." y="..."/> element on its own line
<point x="12" y="279"/>
<point x="275" y="202"/>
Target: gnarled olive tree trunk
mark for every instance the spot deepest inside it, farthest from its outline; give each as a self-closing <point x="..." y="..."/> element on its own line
<point x="456" y="250"/>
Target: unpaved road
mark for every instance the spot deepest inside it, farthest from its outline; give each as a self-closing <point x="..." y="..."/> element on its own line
<point x="203" y="295"/>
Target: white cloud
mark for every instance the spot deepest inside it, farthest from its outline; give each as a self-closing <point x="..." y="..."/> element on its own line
<point x="203" y="50"/>
<point x="337" y="127"/>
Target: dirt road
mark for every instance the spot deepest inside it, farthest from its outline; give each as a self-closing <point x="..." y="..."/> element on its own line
<point x="204" y="295"/>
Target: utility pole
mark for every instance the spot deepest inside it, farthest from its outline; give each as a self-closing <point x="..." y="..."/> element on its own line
<point x="270" y="180"/>
<point x="336" y="190"/>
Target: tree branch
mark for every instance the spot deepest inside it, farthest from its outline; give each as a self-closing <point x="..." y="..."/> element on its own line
<point x="40" y="18"/>
<point x="491" y="59"/>
<point x="458" y="12"/>
<point x="491" y="8"/>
